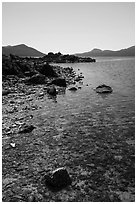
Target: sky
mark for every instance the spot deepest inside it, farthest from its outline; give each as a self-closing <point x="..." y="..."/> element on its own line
<point x="69" y="27"/>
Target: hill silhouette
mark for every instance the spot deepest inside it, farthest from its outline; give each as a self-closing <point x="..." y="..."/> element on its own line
<point x="21" y="50"/>
<point x="109" y="53"/>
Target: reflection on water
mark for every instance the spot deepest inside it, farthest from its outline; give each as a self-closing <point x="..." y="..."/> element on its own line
<point x="104" y="95"/>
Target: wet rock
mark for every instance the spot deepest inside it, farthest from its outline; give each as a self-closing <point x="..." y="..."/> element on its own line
<point x="104" y="89"/>
<point x="37" y="79"/>
<point x="41" y="94"/>
<point x="52" y="90"/>
<point x="5" y="92"/>
<point x="81" y="76"/>
<point x="73" y="88"/>
<point x="12" y="101"/>
<point x="59" y="82"/>
<point x="27" y="129"/>
<point x="59" y="179"/>
<point x="78" y="79"/>
<point x="73" y="82"/>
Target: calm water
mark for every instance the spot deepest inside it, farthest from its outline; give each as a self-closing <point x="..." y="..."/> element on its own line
<point x="84" y="111"/>
<point x="117" y="73"/>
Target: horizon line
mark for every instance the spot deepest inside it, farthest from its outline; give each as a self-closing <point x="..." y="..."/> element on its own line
<point x="60" y="51"/>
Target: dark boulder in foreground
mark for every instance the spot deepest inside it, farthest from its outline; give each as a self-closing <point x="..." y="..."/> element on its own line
<point x="27" y="129"/>
<point x="73" y="88"/>
<point x="52" y="90"/>
<point x="37" y="79"/>
<point x="59" y="82"/>
<point x="58" y="180"/>
<point x="104" y="89"/>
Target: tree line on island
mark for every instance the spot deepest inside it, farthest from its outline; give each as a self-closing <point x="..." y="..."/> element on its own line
<point x="60" y="58"/>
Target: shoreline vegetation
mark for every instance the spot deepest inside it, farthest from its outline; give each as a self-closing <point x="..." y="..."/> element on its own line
<point x="60" y="58"/>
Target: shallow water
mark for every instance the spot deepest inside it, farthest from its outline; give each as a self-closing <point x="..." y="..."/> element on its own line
<point x="87" y="118"/>
<point x="112" y="109"/>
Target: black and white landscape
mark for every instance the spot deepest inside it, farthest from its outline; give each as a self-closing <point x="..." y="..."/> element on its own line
<point x="68" y="116"/>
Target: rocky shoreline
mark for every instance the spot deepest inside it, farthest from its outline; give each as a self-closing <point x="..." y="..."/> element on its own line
<point x="25" y="87"/>
<point x="37" y="142"/>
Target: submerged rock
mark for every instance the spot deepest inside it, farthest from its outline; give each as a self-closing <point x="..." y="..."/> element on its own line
<point x="78" y="79"/>
<point x="59" y="82"/>
<point x="104" y="89"/>
<point x="59" y="179"/>
<point x="52" y="90"/>
<point x="73" y="88"/>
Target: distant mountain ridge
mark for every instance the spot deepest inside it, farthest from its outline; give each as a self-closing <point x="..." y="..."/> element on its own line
<point x="21" y="50"/>
<point x="108" y="53"/>
<point x="24" y="50"/>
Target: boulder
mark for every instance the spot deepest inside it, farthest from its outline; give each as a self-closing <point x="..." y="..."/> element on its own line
<point x="59" y="82"/>
<point x="47" y="70"/>
<point x="37" y="79"/>
<point x="78" y="78"/>
<point x="58" y="180"/>
<point x="104" y="89"/>
<point x="27" y="129"/>
<point x="5" y="92"/>
<point x="52" y="90"/>
<point x="73" y="88"/>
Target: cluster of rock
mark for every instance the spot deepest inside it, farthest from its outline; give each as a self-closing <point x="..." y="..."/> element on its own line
<point x="36" y="71"/>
